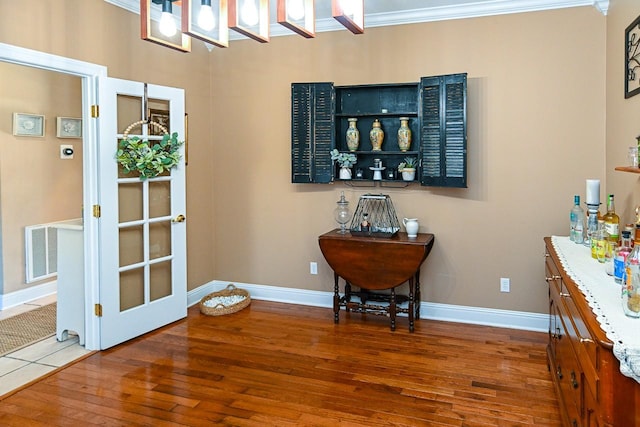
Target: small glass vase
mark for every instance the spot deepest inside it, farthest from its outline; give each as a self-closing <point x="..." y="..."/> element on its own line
<point x="342" y="213"/>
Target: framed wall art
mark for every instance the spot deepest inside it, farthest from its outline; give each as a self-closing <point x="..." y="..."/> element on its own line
<point x="632" y="59"/>
<point x="161" y="117"/>
<point x="69" y="127"/>
<point x="28" y="125"/>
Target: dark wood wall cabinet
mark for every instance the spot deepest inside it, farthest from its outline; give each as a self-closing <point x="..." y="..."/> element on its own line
<point x="437" y="111"/>
<point x="591" y="389"/>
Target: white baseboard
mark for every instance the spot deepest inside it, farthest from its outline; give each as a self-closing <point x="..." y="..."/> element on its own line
<point x="24" y="296"/>
<point x="428" y="310"/>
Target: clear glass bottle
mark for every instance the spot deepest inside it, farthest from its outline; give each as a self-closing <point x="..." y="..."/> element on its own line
<point x="576" y="219"/>
<point x="612" y="220"/>
<point x="621" y="255"/>
<point x="631" y="286"/>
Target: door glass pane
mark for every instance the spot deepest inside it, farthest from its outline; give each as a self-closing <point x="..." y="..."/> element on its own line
<point x="130" y="202"/>
<point x="131" y="288"/>
<point x="159" y="239"/>
<point x="160" y="280"/>
<point x="159" y="199"/>
<point x="131" y="245"/>
<point x="129" y="111"/>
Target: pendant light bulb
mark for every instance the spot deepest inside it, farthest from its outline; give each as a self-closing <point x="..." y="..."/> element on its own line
<point x="347" y="7"/>
<point x="250" y="13"/>
<point x="167" y="24"/>
<point x="295" y="9"/>
<point x="206" y="20"/>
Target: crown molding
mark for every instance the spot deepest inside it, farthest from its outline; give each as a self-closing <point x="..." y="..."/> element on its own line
<point x="471" y="9"/>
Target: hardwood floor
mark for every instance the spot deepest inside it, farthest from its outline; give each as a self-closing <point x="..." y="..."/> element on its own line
<point x="275" y="364"/>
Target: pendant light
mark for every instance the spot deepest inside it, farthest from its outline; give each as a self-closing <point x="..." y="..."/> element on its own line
<point x="250" y="18"/>
<point x="167" y="24"/>
<point x="298" y="16"/>
<point x="166" y="32"/>
<point x="349" y="13"/>
<point x="206" y="20"/>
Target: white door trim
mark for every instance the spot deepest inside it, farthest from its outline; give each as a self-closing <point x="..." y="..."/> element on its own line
<point x="90" y="75"/>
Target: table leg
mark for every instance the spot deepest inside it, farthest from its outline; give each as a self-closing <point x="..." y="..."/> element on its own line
<point x="336" y="299"/>
<point x="347" y="295"/>
<point x="418" y="296"/>
<point x="412" y="284"/>
<point x="392" y="309"/>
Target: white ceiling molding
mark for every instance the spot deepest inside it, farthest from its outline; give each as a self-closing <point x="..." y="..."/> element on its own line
<point x="456" y="9"/>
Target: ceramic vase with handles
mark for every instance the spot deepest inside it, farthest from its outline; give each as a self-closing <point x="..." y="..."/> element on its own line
<point x="411" y="225"/>
<point x="353" y="135"/>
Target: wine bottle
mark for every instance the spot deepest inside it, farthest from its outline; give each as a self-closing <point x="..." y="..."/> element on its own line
<point x="612" y="221"/>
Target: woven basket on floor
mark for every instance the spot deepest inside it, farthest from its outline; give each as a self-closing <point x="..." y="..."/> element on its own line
<point x="220" y="309"/>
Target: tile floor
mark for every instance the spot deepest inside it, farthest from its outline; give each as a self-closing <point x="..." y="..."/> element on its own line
<point x="25" y="365"/>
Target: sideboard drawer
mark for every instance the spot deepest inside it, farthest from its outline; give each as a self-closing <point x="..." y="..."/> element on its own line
<point x="584" y="345"/>
<point x="569" y="375"/>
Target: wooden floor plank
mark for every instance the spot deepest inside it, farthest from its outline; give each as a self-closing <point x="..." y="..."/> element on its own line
<point x="282" y="364"/>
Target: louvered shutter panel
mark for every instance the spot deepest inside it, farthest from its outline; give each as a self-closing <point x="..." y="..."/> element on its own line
<point x="444" y="130"/>
<point x="312" y="130"/>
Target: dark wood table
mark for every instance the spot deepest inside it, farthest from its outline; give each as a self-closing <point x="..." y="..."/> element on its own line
<point x="376" y="263"/>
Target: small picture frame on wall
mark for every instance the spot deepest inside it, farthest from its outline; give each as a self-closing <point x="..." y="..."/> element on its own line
<point x="632" y="59"/>
<point x="25" y="124"/>
<point x="69" y="127"/>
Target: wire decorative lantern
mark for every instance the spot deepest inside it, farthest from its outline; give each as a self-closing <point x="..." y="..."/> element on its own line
<point x="375" y="216"/>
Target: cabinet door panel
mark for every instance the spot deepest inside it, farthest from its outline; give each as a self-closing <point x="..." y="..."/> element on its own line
<point x="312" y="130"/>
<point x="444" y="130"/>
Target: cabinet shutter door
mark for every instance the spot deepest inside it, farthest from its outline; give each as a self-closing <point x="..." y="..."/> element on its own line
<point x="312" y="130"/>
<point x="443" y="133"/>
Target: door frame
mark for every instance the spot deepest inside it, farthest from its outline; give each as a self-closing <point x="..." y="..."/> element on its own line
<point x="90" y="75"/>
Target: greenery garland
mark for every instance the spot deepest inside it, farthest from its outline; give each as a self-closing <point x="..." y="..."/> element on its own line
<point x="135" y="154"/>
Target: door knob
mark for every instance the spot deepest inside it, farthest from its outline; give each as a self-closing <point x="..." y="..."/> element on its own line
<point x="179" y="218"/>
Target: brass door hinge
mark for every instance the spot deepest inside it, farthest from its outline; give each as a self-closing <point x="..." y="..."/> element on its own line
<point x="96" y="211"/>
<point x="97" y="308"/>
<point x="95" y="111"/>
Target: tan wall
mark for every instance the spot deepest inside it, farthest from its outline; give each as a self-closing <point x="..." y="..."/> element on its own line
<point x="536" y="131"/>
<point x="623" y="115"/>
<point x="36" y="186"/>
<point x="97" y="32"/>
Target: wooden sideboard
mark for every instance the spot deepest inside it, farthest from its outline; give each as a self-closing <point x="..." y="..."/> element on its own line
<point x="376" y="263"/>
<point x="591" y="389"/>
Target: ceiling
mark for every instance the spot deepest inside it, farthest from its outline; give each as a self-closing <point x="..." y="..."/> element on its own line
<point x="380" y="13"/>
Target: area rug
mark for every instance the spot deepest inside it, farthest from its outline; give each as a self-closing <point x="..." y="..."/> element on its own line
<point x="24" y="329"/>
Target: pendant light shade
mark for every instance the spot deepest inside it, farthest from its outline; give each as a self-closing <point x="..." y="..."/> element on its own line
<point x="206" y="20"/>
<point x="298" y="16"/>
<point x="166" y="33"/>
<point x="250" y="18"/>
<point x="349" y="13"/>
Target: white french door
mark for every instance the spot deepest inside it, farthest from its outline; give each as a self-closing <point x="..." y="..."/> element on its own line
<point x="142" y="224"/>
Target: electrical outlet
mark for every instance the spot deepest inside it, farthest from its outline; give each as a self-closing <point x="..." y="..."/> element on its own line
<point x="66" y="152"/>
<point x="505" y="284"/>
<point x="313" y="267"/>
